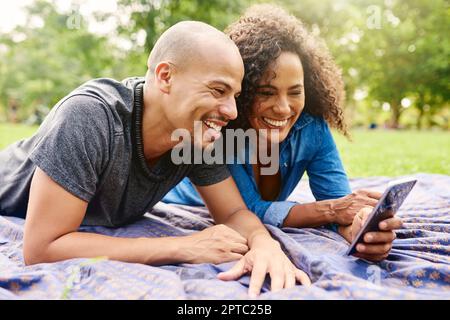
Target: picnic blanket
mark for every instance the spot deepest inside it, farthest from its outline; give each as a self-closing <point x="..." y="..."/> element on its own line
<point x="418" y="266"/>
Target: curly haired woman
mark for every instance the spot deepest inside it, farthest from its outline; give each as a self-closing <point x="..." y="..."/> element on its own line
<point x="293" y="86"/>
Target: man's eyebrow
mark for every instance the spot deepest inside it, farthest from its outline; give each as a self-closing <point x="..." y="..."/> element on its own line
<point x="225" y="84"/>
<point x="221" y="82"/>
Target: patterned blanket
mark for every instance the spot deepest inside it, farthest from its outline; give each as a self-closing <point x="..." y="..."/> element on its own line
<point x="417" y="268"/>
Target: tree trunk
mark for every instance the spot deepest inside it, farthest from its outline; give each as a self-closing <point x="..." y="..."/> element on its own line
<point x="395" y="117"/>
<point x="420" y="117"/>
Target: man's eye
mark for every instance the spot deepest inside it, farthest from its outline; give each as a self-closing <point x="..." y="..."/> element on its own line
<point x="219" y="91"/>
<point x="296" y="93"/>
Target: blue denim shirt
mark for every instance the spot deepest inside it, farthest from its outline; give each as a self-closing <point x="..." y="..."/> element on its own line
<point x="308" y="147"/>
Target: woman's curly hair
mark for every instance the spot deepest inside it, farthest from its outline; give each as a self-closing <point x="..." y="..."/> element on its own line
<point x="262" y="34"/>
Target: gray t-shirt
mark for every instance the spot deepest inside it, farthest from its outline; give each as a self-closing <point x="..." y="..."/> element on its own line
<point x="91" y="145"/>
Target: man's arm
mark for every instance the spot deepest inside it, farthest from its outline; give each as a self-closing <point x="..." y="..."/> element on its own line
<point x="54" y="216"/>
<point x="265" y="256"/>
<point x="227" y="207"/>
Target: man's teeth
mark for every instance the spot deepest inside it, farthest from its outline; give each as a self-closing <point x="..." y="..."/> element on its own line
<point x="213" y="125"/>
<point x="276" y="123"/>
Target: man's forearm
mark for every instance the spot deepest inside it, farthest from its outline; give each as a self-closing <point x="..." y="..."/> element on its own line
<point x="310" y="215"/>
<point x="152" y="251"/>
<point x="248" y="225"/>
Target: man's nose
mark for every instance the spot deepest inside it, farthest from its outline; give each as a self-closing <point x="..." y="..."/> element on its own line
<point x="229" y="109"/>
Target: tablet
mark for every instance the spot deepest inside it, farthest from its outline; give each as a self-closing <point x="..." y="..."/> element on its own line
<point x="387" y="206"/>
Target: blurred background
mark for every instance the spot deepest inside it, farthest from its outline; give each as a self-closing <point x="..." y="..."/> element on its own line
<point x="394" y="56"/>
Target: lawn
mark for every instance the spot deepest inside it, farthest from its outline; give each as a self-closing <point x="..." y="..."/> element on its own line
<point x="395" y="153"/>
<point x="371" y="153"/>
<point x="10" y="133"/>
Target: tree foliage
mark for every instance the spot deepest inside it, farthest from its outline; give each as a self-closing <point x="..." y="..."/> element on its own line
<point x="388" y="50"/>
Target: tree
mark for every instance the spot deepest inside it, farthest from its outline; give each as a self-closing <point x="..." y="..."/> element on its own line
<point x="44" y="61"/>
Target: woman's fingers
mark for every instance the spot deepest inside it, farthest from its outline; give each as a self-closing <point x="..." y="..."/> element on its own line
<point x="380" y="237"/>
<point x="372" y="257"/>
<point x="391" y="224"/>
<point x="370" y="193"/>
<point x="374" y="249"/>
<point x="370" y="201"/>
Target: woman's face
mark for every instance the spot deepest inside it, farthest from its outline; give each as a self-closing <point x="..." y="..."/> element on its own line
<point x="280" y="97"/>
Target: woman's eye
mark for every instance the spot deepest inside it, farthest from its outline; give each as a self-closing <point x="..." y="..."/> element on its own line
<point x="296" y="93"/>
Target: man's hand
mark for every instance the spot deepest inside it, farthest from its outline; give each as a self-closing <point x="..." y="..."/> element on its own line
<point x="345" y="208"/>
<point x="264" y="257"/>
<point x="376" y="245"/>
<point x="217" y="244"/>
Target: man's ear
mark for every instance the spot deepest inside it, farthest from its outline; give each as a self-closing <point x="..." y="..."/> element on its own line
<point x="163" y="76"/>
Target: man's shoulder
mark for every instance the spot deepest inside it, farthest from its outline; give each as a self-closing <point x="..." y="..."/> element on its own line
<point x="108" y="90"/>
<point x="99" y="99"/>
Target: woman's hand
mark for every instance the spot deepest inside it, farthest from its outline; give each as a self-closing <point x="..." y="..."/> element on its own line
<point x="376" y="245"/>
<point x="340" y="211"/>
<point x="344" y="210"/>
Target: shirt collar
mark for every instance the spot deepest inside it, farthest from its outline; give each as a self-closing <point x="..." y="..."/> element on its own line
<point x="304" y="119"/>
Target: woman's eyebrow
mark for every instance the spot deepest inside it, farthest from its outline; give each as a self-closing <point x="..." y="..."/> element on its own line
<point x="268" y="86"/>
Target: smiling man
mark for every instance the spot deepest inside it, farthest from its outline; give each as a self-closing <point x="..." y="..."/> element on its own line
<point x="102" y="157"/>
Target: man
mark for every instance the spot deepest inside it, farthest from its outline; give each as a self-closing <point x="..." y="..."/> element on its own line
<point x="102" y="157"/>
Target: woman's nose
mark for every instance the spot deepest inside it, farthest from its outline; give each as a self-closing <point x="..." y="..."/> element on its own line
<point x="282" y="106"/>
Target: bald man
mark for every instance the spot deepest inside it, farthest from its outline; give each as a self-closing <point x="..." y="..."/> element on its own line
<point x="102" y="157"/>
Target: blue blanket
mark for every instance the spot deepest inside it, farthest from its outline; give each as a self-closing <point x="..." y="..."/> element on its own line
<point x="417" y="268"/>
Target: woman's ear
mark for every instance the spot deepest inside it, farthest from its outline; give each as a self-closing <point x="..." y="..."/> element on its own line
<point x="163" y="76"/>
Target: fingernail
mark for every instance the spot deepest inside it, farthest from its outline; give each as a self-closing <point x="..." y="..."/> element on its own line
<point x="361" y="247"/>
<point x="383" y="225"/>
<point x="369" y="237"/>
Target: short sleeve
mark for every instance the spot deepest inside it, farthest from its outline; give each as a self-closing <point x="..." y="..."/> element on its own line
<point x="74" y="145"/>
<point x="208" y="174"/>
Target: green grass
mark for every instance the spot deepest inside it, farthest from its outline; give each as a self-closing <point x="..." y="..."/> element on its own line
<point x="395" y="153"/>
<point x="371" y="153"/>
<point x="10" y="133"/>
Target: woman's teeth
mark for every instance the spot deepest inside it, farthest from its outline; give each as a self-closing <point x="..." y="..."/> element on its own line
<point x="213" y="125"/>
<point x="276" y="123"/>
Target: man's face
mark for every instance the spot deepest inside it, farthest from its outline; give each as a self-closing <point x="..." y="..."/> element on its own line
<point x="206" y="92"/>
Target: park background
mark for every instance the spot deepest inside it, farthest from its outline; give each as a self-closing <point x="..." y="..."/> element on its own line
<point x="394" y="55"/>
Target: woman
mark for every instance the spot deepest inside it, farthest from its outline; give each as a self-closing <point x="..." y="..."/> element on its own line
<point x="292" y="86"/>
